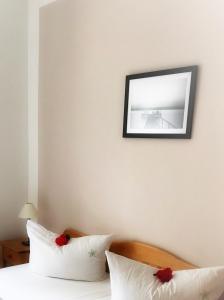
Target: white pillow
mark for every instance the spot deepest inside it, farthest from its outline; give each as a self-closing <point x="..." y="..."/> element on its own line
<point x="131" y="280"/>
<point x="81" y="259"/>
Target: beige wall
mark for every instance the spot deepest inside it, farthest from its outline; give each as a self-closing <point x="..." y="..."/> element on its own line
<point x="167" y="192"/>
<point x="13" y="115"/>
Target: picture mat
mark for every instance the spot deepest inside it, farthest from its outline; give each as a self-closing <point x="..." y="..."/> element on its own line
<point x="156" y="94"/>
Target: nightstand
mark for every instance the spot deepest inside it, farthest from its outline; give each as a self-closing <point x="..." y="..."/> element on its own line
<point x="14" y="252"/>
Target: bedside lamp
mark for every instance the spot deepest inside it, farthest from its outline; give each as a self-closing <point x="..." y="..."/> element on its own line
<point x="28" y="212"/>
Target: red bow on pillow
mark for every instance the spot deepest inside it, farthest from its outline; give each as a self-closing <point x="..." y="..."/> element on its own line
<point x="62" y="239"/>
<point x="164" y="275"/>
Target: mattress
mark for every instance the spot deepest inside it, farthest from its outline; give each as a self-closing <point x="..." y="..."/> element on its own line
<point x="19" y="283"/>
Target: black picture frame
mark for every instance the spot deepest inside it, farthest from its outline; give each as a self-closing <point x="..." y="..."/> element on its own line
<point x="181" y="108"/>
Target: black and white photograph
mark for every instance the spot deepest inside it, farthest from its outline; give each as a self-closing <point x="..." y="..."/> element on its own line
<point x="160" y="104"/>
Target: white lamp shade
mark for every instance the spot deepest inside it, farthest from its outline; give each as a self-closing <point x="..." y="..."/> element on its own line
<point x="28" y="212"/>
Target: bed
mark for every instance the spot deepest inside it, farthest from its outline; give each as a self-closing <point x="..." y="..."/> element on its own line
<point x="18" y="283"/>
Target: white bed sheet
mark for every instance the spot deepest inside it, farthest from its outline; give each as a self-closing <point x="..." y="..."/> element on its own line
<point x="19" y="283"/>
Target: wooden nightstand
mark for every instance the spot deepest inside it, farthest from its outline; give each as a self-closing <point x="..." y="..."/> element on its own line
<point x="14" y="253"/>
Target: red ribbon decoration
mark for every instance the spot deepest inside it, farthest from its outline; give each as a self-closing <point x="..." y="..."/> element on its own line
<point x="164" y="275"/>
<point x="62" y="240"/>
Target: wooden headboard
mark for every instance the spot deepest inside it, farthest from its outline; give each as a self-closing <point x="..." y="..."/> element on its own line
<point x="144" y="253"/>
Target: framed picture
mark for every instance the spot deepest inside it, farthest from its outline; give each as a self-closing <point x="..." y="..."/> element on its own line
<point x="160" y="104"/>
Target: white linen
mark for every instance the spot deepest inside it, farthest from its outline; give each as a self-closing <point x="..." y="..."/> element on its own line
<point x="131" y="280"/>
<point x="81" y="259"/>
<point x="19" y="283"/>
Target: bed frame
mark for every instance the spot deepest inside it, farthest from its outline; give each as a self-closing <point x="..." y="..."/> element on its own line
<point x="144" y="253"/>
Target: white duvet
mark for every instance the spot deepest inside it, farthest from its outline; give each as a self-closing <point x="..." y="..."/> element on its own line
<point x="18" y="283"/>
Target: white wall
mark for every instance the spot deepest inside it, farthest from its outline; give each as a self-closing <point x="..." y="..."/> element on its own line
<point x="167" y="192"/>
<point x="19" y="50"/>
<point x="13" y="115"/>
<point x="33" y="85"/>
<point x="33" y="73"/>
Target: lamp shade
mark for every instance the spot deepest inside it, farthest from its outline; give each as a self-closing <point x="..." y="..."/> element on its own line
<point x="28" y="212"/>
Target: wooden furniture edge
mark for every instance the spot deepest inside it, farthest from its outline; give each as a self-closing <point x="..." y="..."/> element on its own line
<point x="143" y="252"/>
<point x="15" y="245"/>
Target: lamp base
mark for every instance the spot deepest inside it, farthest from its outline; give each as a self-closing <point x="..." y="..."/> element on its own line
<point x="26" y="242"/>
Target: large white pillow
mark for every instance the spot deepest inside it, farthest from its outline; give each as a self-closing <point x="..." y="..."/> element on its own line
<point x="81" y="259"/>
<point x="131" y="280"/>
